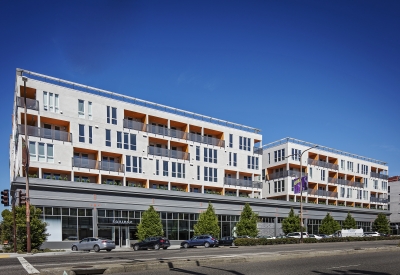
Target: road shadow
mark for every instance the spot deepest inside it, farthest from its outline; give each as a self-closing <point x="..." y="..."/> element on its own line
<point x="350" y="272"/>
<point x="172" y="268"/>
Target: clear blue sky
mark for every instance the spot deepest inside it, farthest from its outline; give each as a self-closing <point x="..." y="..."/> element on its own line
<point x="326" y="72"/>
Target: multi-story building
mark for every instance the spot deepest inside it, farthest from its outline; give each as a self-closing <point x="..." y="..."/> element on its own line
<point x="394" y="203"/>
<point x="334" y="177"/>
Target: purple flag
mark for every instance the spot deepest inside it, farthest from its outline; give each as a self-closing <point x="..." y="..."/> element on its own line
<point x="304" y="183"/>
<point x="297" y="188"/>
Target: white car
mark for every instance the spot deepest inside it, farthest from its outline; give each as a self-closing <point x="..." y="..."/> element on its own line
<point x="371" y="234"/>
<point x="266" y="237"/>
<point x="297" y="235"/>
<point x="314" y="236"/>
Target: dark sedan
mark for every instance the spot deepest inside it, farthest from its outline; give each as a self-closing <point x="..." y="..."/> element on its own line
<point x="227" y="241"/>
<point x="152" y="243"/>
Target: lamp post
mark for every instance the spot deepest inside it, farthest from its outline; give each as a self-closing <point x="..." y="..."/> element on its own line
<point x="28" y="212"/>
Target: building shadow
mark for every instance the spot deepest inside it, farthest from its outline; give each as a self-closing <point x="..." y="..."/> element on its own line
<point x="350" y="272"/>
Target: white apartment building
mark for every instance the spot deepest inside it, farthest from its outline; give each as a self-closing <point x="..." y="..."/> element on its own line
<point x="335" y="177"/>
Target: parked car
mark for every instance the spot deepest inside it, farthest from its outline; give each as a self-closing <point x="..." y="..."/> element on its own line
<point x="371" y="234"/>
<point x="314" y="236"/>
<point x="202" y="240"/>
<point x="384" y="235"/>
<point x="281" y="237"/>
<point x="152" y="242"/>
<point x="323" y="236"/>
<point x="266" y="237"/>
<point x="297" y="235"/>
<point x="227" y="241"/>
<point x="95" y="244"/>
<point x="243" y="237"/>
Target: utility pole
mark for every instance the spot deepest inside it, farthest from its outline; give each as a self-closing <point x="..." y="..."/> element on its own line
<point x="14" y="223"/>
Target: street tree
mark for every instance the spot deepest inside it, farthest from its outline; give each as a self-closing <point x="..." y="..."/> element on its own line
<point x="207" y="223"/>
<point x="247" y="224"/>
<point x="329" y="225"/>
<point x="349" y="222"/>
<point x="291" y="223"/>
<point x="38" y="227"/>
<point x="381" y="224"/>
<point x="150" y="224"/>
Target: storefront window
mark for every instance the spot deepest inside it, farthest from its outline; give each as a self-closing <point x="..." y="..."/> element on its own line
<point x="85" y="227"/>
<point x="69" y="228"/>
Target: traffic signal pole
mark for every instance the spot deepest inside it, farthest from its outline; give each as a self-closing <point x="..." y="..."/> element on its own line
<point x="15" y="225"/>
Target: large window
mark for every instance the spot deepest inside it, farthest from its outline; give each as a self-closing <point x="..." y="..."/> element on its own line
<point x="119" y="139"/>
<point x="279" y="155"/>
<point x="210" y="174"/>
<point x="45" y="151"/>
<point x="230" y="140"/>
<point x="244" y="143"/>
<point x="51" y="102"/>
<point x="178" y="170"/>
<point x="90" y="115"/>
<point x="111" y="115"/>
<point x="197" y="152"/>
<point x="90" y="134"/>
<point x="81" y="108"/>
<point x="81" y="133"/>
<point x="137" y="164"/>
<point x="108" y="137"/>
<point x="165" y="168"/>
<point x="126" y="141"/>
<point x="133" y="141"/>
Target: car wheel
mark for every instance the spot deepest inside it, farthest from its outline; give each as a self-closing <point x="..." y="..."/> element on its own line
<point x="185" y="245"/>
<point x="108" y="250"/>
<point x="156" y="247"/>
<point x="136" y="247"/>
<point x="165" y="248"/>
<point x="74" y="248"/>
<point x="233" y="244"/>
<point x="206" y="244"/>
<point x="96" y="248"/>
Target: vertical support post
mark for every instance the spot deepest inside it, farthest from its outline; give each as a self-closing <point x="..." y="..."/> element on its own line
<point x="14" y="224"/>
<point x="28" y="212"/>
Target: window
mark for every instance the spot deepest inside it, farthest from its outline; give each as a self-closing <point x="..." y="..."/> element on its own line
<point x="269" y="158"/>
<point x="32" y="150"/>
<point x="45" y="101"/>
<point x="310" y="172"/>
<point x="358" y="168"/>
<point x="198" y="172"/>
<point x="210" y="174"/>
<point x="279" y="155"/>
<point x="234" y="159"/>
<point x="244" y="143"/>
<point x="252" y="162"/>
<point x="90" y="110"/>
<point x="197" y="152"/>
<point x="230" y="159"/>
<point x="342" y="164"/>
<point x="342" y="192"/>
<point x="210" y="155"/>
<point x="230" y="140"/>
<point x="375" y="184"/>
<point x="205" y="174"/>
<point x="119" y="139"/>
<point x="296" y="154"/>
<point x="90" y="134"/>
<point x="81" y="108"/>
<point x="51" y="102"/>
<point x="45" y="151"/>
<point x="364" y="169"/>
<point x="240" y="143"/>
<point x="157" y="167"/>
<point x="205" y="154"/>
<point x="108" y="137"/>
<point x="128" y="164"/>
<point x="174" y="169"/>
<point x="81" y="133"/>
<point x="178" y="170"/>
<point x="114" y="116"/>
<point x="137" y="165"/>
<point x="133" y="142"/>
<point x="56" y="103"/>
<point x="365" y="195"/>
<point x="165" y="168"/>
<point x="215" y="156"/>
<point x="126" y="141"/>
<point x="108" y="114"/>
<point x="365" y="183"/>
<point x="323" y="175"/>
<point x="350" y="166"/>
<point x="42" y="156"/>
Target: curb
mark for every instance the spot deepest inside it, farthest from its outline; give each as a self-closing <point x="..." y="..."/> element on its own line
<point x="190" y="262"/>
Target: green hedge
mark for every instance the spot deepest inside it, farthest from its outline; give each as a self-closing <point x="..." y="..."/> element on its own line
<point x="263" y="241"/>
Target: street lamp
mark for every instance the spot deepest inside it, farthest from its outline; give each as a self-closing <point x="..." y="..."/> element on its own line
<point x="28" y="212"/>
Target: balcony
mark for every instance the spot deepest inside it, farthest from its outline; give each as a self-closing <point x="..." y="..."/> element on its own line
<point x="162" y="152"/>
<point x="242" y="183"/>
<point x="379" y="176"/>
<point x="111" y="166"/>
<point x="378" y="200"/>
<point x="257" y="150"/>
<point x="30" y="103"/>
<point x="323" y="164"/>
<point x="45" y="133"/>
<point x="132" y="124"/>
<point x="85" y="163"/>
<point x="345" y="182"/>
<point x="284" y="174"/>
<point x="154" y="129"/>
<point x="322" y="193"/>
<point x="206" y="140"/>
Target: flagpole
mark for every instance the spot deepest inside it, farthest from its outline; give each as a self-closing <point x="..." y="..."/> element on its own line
<point x="28" y="212"/>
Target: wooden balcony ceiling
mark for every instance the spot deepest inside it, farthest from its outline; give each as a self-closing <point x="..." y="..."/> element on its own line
<point x="133" y="114"/>
<point x="245" y="174"/>
<point x="85" y="151"/>
<point x="54" y="121"/>
<point x="193" y="128"/>
<point x="110" y="154"/>
<point x="218" y="134"/>
<point x="230" y="172"/>
<point x="31" y="119"/>
<point x="158" y="182"/>
<point x="81" y="174"/>
<point x="158" y="120"/>
<point x="105" y="177"/>
<point x="30" y="92"/>
<point x="54" y="171"/>
<point x="136" y="180"/>
<point x="157" y="140"/>
<point x="312" y="155"/>
<point x="179" y="144"/>
<point x="177" y="124"/>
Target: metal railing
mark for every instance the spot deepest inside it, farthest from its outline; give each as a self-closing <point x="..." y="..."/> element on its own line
<point x="345" y="182"/>
<point x="45" y="133"/>
<point x="284" y="174"/>
<point x="258" y="150"/>
<point x="162" y="152"/>
<point x="324" y="164"/>
<point x="322" y="193"/>
<point x="379" y="176"/>
<point x="32" y="104"/>
<point x="85" y="163"/>
<point x="132" y="124"/>
<point x="111" y="166"/>
<point x="379" y="200"/>
<point x="155" y="129"/>
<point x="242" y="183"/>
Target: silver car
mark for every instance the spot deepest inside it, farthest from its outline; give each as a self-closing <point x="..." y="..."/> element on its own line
<point x="95" y="244"/>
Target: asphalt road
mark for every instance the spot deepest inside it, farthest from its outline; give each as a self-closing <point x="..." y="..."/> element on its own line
<point x="12" y="266"/>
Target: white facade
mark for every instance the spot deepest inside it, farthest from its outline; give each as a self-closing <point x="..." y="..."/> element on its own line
<point x="79" y="133"/>
<point x="335" y="177"/>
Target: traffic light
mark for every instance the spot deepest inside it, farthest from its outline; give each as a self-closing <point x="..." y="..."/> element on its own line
<point x="5" y="199"/>
<point x="22" y="198"/>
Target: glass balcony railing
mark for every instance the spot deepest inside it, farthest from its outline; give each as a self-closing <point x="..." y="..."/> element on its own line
<point x="323" y="164"/>
<point x="85" y="163"/>
<point x="378" y="200"/>
<point x="30" y="103"/>
<point x="242" y="183"/>
<point x="345" y="182"/>
<point x="162" y="152"/>
<point x="45" y="133"/>
<point x="132" y="124"/>
<point x="111" y="166"/>
<point x="322" y="193"/>
<point x="257" y="150"/>
<point x="379" y="176"/>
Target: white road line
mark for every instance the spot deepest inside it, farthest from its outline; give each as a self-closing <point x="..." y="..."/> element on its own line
<point x="28" y="267"/>
<point x="342" y="266"/>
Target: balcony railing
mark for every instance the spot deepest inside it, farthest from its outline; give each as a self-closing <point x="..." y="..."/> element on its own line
<point x="111" y="166"/>
<point x="85" y="163"/>
<point x="345" y="182"/>
<point x="322" y="193"/>
<point x="379" y="176"/>
<point x="155" y="129"/>
<point x="45" y="133"/>
<point x="162" y="152"/>
<point x="132" y="124"/>
<point x="284" y="174"/>
<point x="258" y="150"/>
<point x="206" y="139"/>
<point x="242" y="183"/>
<point x="323" y="164"/>
<point x="378" y="200"/>
<point x="30" y="103"/>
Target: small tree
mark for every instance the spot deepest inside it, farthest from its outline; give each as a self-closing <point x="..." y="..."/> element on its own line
<point x="247" y="224"/>
<point x="381" y="224"/>
<point x="207" y="223"/>
<point x="329" y="225"/>
<point x="291" y="223"/>
<point x="150" y="225"/>
<point x="349" y="222"/>
<point x="38" y="227"/>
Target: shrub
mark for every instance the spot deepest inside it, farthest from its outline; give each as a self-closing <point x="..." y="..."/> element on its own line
<point x="35" y="251"/>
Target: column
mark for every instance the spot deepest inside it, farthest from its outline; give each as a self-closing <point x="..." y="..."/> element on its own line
<point x="94" y="221"/>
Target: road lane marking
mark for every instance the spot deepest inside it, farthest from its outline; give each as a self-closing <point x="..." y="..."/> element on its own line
<point x="4" y="256"/>
<point x="28" y="267"/>
<point x="343" y="266"/>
